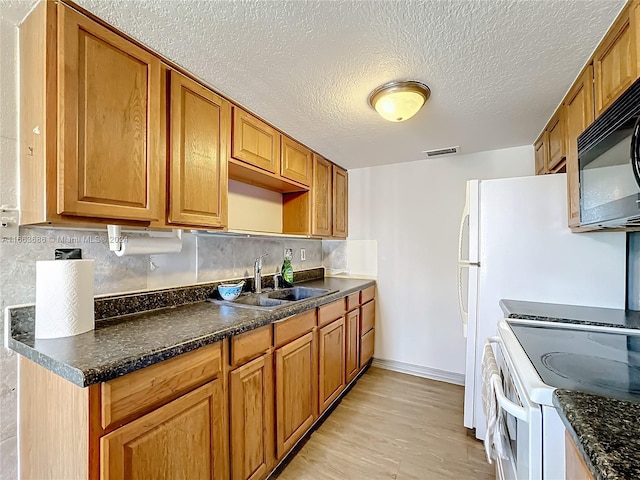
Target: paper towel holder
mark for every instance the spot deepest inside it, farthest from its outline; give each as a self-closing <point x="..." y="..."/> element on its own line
<point x="116" y="241"/>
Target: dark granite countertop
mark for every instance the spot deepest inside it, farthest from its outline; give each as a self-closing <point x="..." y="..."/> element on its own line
<point x="554" y="312"/>
<point x="123" y="344"/>
<point x="605" y="430"/>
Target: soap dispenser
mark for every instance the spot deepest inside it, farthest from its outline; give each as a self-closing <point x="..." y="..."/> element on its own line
<point x="287" y="269"/>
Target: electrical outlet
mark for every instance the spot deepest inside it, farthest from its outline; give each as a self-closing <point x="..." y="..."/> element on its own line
<point x="303" y="255"/>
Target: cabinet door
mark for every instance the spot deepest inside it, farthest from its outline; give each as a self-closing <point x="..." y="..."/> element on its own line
<point x="331" y="362"/>
<point x="575" y="466"/>
<point x="199" y="136"/>
<point x="579" y="115"/>
<point x="352" y="339"/>
<point x="180" y="440"/>
<point x="255" y="142"/>
<point x="367" y="316"/>
<point x="541" y="149"/>
<point x="322" y="197"/>
<point x="110" y="152"/>
<point x="340" y="202"/>
<point x="556" y="132"/>
<point x="615" y="60"/>
<point x="295" y="379"/>
<point x="367" y="343"/>
<point x="296" y="162"/>
<point x="251" y="419"/>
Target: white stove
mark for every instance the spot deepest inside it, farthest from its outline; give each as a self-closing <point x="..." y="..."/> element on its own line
<point x="535" y="358"/>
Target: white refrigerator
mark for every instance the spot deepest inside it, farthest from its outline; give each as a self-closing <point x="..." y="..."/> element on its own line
<point x="515" y="244"/>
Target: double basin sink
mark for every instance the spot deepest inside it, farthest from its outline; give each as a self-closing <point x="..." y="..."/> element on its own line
<point x="271" y="300"/>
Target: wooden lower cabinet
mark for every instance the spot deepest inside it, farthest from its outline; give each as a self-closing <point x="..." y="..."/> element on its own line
<point x="230" y="410"/>
<point x="331" y="362"/>
<point x="352" y="344"/>
<point x="296" y="376"/>
<point x="182" y="439"/>
<point x="575" y="466"/>
<point x="367" y="342"/>
<point x="251" y="419"/>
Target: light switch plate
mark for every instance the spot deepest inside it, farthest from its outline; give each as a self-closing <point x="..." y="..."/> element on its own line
<point x="9" y="223"/>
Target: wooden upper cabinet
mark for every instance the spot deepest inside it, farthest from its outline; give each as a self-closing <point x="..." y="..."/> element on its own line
<point x="557" y="142"/>
<point x="185" y="435"/>
<point x="110" y="152"/>
<point x="579" y="115"/>
<point x="541" y="147"/>
<point x="322" y="197"/>
<point x="615" y="61"/>
<point x="255" y="142"/>
<point x="340" y="202"/>
<point x="296" y="162"/>
<point x="199" y="129"/>
<point x="296" y="381"/>
<point x="251" y="419"/>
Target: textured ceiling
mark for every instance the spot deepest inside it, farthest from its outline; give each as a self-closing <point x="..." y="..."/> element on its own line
<point x="496" y="68"/>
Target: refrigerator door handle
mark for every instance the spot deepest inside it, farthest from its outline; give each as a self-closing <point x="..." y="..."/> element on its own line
<point x="463" y="220"/>
<point x="463" y="313"/>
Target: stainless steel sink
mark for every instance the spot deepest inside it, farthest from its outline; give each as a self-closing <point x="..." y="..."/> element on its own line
<point x="295" y="294"/>
<point x="274" y="299"/>
<point x="254" y="300"/>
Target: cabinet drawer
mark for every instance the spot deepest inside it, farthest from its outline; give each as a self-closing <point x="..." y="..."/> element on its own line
<point x="249" y="345"/>
<point x="291" y="328"/>
<point x="368" y="316"/>
<point x="367" y="294"/>
<point x="366" y="347"/>
<point x="333" y="311"/>
<point x="146" y="389"/>
<point x="353" y="301"/>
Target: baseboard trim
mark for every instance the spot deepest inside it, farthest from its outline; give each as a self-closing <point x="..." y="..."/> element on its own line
<point x="419" y="371"/>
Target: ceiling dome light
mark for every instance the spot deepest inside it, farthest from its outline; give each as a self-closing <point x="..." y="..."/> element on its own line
<point x="399" y="101"/>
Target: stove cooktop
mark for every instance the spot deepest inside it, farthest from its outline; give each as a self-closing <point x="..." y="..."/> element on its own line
<point x="603" y="363"/>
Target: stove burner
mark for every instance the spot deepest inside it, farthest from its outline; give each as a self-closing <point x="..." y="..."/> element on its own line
<point x="594" y="371"/>
<point x="614" y="341"/>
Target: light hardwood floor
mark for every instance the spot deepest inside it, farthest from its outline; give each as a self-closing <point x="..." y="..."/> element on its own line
<point x="393" y="426"/>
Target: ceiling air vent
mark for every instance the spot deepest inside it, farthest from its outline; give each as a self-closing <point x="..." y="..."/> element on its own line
<point x="442" y="151"/>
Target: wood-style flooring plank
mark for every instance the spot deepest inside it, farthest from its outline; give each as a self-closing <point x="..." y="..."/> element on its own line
<point x="393" y="426"/>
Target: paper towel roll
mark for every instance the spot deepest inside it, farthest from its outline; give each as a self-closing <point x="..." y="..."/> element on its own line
<point x="149" y="246"/>
<point x="64" y="298"/>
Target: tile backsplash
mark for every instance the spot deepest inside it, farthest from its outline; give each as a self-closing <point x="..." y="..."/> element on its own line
<point x="204" y="258"/>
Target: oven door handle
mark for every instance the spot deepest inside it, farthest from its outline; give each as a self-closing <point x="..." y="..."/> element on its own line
<point x="507" y="405"/>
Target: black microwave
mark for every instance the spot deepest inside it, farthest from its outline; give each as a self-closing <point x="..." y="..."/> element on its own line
<point x="608" y="160"/>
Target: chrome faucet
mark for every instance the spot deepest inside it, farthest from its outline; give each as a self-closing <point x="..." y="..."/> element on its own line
<point x="257" y="273"/>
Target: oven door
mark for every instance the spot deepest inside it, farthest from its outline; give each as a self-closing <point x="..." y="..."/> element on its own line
<point x="522" y="424"/>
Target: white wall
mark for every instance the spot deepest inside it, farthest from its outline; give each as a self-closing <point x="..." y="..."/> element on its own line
<point x="412" y="210"/>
